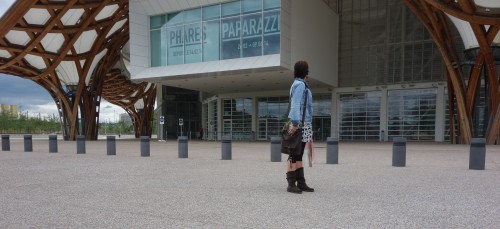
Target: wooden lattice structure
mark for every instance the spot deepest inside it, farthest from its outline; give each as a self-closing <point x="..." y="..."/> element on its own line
<point x="70" y="47"/>
<point x="479" y="22"/>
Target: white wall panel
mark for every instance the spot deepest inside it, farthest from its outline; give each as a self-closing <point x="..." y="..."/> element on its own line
<point x="139" y="19"/>
<point x="286" y="33"/>
<point x="148" y="9"/>
<point x="182" y="4"/>
<point x="315" y="39"/>
<point x="139" y="50"/>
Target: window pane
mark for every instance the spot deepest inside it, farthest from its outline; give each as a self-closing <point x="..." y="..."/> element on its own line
<point x="211" y="47"/>
<point x="192" y="39"/>
<point x="231" y="38"/>
<point x="231" y="9"/>
<point x="271" y="4"/>
<point x="211" y="12"/>
<point x="175" y="18"/>
<point x="175" y="45"/>
<point x="271" y="29"/>
<point x="252" y="35"/>
<point x="193" y="15"/>
<point x="156" y="22"/>
<point x="155" y="48"/>
<point x="251" y="6"/>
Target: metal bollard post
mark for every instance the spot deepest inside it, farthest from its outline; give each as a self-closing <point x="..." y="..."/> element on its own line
<point x="332" y="150"/>
<point x="80" y="144"/>
<point x="5" y="142"/>
<point x="52" y="143"/>
<point x="144" y="146"/>
<point x="477" y="155"/>
<point x="226" y="148"/>
<point x="183" y="146"/>
<point x="399" y="152"/>
<point x="275" y="149"/>
<point x="111" y="145"/>
<point x="28" y="143"/>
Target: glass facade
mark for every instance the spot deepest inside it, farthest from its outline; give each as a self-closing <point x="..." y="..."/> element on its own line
<point x="237" y="118"/>
<point x="412" y="114"/>
<point x="180" y="103"/>
<point x="360" y="116"/>
<point x="272" y="116"/>
<point x="230" y="30"/>
<point x="382" y="42"/>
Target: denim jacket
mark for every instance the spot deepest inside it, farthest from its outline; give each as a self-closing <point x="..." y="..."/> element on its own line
<point x="297" y="101"/>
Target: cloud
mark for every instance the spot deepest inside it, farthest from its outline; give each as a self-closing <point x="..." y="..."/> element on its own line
<point x="16" y="90"/>
<point x="34" y="100"/>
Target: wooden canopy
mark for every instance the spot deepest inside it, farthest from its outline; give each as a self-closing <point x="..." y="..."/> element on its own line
<point x="71" y="48"/>
<point x="479" y="23"/>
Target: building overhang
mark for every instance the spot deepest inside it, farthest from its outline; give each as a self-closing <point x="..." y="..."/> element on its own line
<point x="225" y="76"/>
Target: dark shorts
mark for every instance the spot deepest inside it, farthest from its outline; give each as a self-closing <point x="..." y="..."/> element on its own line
<point x="296" y="158"/>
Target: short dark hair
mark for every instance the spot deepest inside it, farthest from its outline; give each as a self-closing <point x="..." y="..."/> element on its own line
<point x="301" y="69"/>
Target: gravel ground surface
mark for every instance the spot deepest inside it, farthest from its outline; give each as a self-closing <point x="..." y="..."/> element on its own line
<point x="436" y="189"/>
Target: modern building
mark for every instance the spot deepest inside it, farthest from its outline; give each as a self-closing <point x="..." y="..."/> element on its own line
<point x="226" y="66"/>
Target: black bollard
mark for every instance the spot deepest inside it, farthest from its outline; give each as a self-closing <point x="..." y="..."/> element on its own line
<point x="52" y="143"/>
<point x="332" y="150"/>
<point x="111" y="145"/>
<point x="226" y="148"/>
<point x="5" y="142"/>
<point x="144" y="146"/>
<point x="399" y="152"/>
<point x="275" y="149"/>
<point x="80" y="144"/>
<point x="28" y="143"/>
<point x="183" y="146"/>
<point x="477" y="155"/>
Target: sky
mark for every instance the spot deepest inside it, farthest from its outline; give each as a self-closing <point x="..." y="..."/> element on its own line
<point x="4" y="5"/>
<point x="34" y="99"/>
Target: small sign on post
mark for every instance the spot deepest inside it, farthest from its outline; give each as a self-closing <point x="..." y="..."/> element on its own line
<point x="181" y="123"/>
<point x="162" y="120"/>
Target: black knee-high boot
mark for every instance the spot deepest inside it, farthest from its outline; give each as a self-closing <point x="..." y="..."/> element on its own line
<point x="301" y="181"/>
<point x="292" y="178"/>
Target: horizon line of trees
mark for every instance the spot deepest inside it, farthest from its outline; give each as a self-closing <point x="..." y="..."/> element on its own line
<point x="23" y="124"/>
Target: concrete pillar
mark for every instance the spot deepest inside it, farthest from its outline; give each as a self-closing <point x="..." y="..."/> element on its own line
<point x="477" y="155"/>
<point x="332" y="150"/>
<point x="5" y="142"/>
<point x="183" y="146"/>
<point x="28" y="143"/>
<point x="399" y="152"/>
<point x="144" y="146"/>
<point x="52" y="143"/>
<point x="80" y="144"/>
<point x="275" y="149"/>
<point x="111" y="145"/>
<point x="226" y="148"/>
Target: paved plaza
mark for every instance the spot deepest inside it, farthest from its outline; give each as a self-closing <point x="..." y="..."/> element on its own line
<point x="436" y="189"/>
